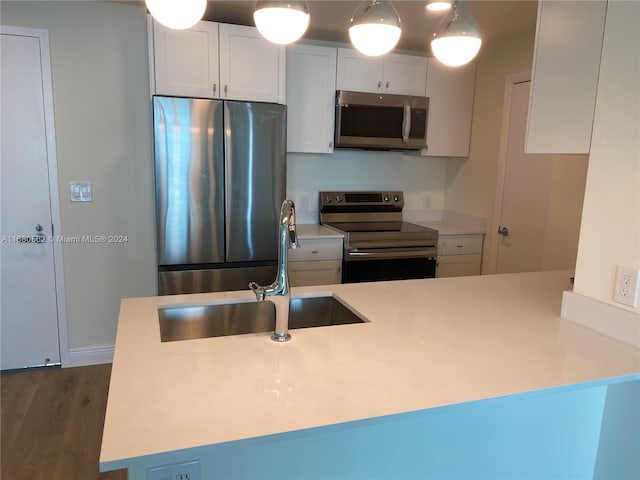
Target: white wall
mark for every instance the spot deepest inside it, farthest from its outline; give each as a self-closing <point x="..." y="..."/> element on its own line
<point x="564" y="211"/>
<point x="103" y="134"/>
<point x="361" y="170"/>
<point x="610" y="231"/>
<point x="471" y="182"/>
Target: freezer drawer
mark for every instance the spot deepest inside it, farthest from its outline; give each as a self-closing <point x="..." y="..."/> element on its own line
<point x="178" y="282"/>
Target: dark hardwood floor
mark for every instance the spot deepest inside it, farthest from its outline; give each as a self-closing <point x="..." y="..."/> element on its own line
<point x="52" y="421"/>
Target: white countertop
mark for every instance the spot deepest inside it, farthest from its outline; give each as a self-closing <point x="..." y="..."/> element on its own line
<point x="447" y="222"/>
<point x="449" y="228"/>
<point x="429" y="343"/>
<point x="315" y="231"/>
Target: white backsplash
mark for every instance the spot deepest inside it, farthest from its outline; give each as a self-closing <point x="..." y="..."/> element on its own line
<point x="422" y="179"/>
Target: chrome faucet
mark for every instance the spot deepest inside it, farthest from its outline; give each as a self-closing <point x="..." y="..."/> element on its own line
<point x="278" y="292"/>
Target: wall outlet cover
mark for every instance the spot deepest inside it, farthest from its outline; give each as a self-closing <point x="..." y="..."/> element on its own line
<point x="626" y="289"/>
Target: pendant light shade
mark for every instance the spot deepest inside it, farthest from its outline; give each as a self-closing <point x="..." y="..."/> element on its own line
<point x="178" y="14"/>
<point x="456" y="40"/>
<point x="281" y="22"/>
<point x="375" y="28"/>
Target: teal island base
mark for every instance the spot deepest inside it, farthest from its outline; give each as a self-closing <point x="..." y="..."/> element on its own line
<point x="583" y="431"/>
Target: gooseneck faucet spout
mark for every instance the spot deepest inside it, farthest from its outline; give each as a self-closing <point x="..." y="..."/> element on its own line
<point x="278" y="292"/>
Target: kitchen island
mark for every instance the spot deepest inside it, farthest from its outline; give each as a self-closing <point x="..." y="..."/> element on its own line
<point x="436" y="355"/>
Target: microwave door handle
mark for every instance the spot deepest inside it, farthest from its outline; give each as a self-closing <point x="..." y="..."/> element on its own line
<point x="406" y="123"/>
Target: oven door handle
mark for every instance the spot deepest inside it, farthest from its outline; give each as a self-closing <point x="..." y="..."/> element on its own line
<point x="389" y="253"/>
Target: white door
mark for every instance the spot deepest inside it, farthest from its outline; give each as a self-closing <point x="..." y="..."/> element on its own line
<point x="525" y="200"/>
<point x="29" y="311"/>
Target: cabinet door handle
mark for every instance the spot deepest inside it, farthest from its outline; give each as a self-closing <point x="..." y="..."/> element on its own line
<point x="330" y="144"/>
<point x="225" y="90"/>
<point x="386" y="86"/>
<point x="215" y="87"/>
<point x="380" y="84"/>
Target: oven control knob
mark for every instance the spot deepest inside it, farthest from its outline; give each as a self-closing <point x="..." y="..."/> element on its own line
<point x="327" y="199"/>
<point x="338" y="198"/>
<point x="386" y="198"/>
<point x="396" y="198"/>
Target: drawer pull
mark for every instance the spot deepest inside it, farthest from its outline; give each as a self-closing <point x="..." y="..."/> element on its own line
<point x="314" y="251"/>
<point x="460" y="246"/>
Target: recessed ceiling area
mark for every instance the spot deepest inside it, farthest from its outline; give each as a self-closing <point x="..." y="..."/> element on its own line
<point x="330" y="18"/>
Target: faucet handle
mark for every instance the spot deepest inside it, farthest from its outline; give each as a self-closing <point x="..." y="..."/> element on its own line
<point x="258" y="290"/>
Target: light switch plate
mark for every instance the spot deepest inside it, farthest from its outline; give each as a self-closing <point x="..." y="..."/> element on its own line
<point x="80" y="191"/>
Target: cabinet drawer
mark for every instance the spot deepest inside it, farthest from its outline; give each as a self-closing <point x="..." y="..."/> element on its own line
<point x="458" y="265"/>
<point x="317" y="249"/>
<point x="459" y="244"/>
<point x="323" y="272"/>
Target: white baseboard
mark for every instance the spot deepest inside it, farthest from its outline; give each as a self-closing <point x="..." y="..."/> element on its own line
<point x="97" y="355"/>
<point x="609" y="320"/>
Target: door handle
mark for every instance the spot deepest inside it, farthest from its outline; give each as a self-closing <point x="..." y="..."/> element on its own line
<point x="504" y="231"/>
<point x="406" y="123"/>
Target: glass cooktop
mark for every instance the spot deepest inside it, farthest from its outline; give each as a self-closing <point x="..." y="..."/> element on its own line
<point x="400" y="227"/>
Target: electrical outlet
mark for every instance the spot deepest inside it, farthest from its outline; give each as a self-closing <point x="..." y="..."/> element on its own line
<point x="303" y="203"/>
<point x="426" y="200"/>
<point x="176" y="471"/>
<point x="626" y="290"/>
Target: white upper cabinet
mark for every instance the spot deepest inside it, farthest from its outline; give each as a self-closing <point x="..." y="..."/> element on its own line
<point x="450" y="91"/>
<point x="404" y="74"/>
<point x="392" y="73"/>
<point x="311" y="90"/>
<point x="565" y="76"/>
<point x="357" y="72"/>
<point x="212" y="60"/>
<point x="186" y="61"/>
<point x="251" y="68"/>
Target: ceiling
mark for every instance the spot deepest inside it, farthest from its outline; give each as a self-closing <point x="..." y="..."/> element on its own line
<point x="330" y="18"/>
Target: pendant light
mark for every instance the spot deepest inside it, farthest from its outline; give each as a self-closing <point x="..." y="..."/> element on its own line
<point x="375" y="28"/>
<point x="281" y="22"/>
<point x="177" y="14"/>
<point x="456" y="40"/>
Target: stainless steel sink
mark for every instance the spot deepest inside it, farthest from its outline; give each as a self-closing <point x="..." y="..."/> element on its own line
<point x="202" y="321"/>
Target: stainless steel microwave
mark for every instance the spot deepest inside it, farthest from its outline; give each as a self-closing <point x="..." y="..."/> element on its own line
<point x="381" y="122"/>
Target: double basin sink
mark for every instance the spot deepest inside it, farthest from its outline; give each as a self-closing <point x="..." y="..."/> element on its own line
<point x="202" y="321"/>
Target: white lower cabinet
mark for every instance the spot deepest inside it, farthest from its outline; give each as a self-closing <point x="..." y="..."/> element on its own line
<point x="459" y="255"/>
<point x="323" y="272"/>
<point x="316" y="262"/>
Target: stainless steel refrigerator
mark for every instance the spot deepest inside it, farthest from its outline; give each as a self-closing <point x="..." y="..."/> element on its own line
<point x="220" y="170"/>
